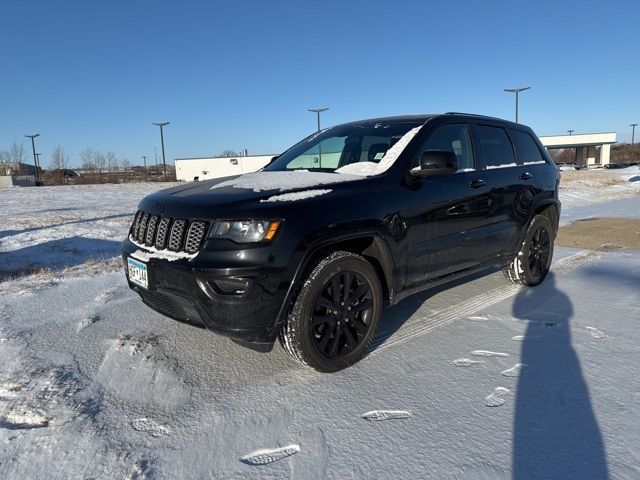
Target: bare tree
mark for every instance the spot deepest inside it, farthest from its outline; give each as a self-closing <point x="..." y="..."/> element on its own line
<point x="59" y="163"/>
<point x="126" y="165"/>
<point x="88" y="164"/>
<point x="18" y="153"/>
<point x="101" y="163"/>
<point x="59" y="159"/>
<point x="228" y="153"/>
<point x="112" y="162"/>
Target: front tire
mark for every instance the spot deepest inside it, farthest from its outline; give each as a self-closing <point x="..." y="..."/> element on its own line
<point x="336" y="314"/>
<point x="533" y="261"/>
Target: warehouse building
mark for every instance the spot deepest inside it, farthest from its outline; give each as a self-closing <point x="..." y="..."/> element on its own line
<point x="198" y="169"/>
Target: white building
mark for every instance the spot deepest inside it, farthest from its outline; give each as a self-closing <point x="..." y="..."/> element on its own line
<point x="198" y="169"/>
<point x="598" y="146"/>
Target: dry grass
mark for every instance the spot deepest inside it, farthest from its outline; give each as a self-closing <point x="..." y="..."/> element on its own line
<point x="604" y="178"/>
<point x="601" y="234"/>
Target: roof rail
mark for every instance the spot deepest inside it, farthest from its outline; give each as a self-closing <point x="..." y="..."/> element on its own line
<point x="487" y="117"/>
<point x="471" y="115"/>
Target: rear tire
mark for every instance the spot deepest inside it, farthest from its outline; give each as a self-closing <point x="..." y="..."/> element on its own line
<point x="533" y="261"/>
<point x="336" y="314"/>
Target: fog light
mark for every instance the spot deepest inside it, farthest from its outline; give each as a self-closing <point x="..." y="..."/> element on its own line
<point x="230" y="286"/>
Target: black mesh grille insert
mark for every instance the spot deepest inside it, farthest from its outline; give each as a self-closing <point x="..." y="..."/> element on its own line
<point x="142" y="227"/>
<point x="163" y="230"/>
<point x="194" y="237"/>
<point x="178" y="235"/>
<point x="151" y="230"/>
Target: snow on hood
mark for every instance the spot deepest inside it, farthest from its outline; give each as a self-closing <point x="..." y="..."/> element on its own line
<point x="285" y="181"/>
<point x="294" y="196"/>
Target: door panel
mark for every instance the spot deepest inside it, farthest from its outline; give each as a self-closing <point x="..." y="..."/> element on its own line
<point x="444" y="224"/>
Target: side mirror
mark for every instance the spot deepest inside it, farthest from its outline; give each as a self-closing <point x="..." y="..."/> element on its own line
<point x="436" y="162"/>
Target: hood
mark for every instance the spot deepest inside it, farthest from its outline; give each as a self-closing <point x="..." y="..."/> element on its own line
<point x="263" y="188"/>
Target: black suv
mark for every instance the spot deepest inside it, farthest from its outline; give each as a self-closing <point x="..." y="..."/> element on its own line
<point x="351" y="219"/>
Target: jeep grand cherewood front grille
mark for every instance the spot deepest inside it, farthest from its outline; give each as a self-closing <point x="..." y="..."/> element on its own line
<point x="175" y="234"/>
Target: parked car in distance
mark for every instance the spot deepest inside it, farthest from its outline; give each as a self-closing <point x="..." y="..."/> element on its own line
<point x="348" y="221"/>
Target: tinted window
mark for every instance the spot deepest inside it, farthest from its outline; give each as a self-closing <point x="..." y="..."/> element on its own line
<point x="526" y="147"/>
<point x="497" y="148"/>
<point x="451" y="138"/>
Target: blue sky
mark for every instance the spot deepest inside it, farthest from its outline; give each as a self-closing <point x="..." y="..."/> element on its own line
<point x="234" y="75"/>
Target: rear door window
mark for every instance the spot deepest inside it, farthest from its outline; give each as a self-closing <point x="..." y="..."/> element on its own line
<point x="527" y="149"/>
<point x="496" y="146"/>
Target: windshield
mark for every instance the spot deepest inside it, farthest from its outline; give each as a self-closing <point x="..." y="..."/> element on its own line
<point x="357" y="149"/>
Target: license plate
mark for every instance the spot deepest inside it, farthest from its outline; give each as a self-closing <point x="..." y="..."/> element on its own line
<point x="138" y="272"/>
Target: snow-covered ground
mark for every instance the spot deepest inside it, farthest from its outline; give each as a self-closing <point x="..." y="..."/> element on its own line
<point x="476" y="379"/>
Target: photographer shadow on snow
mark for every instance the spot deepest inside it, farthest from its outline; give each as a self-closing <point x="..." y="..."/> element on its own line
<point x="556" y="433"/>
<point x="55" y="255"/>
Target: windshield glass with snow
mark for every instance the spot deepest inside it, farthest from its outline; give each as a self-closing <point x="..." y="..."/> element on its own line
<point x="351" y="149"/>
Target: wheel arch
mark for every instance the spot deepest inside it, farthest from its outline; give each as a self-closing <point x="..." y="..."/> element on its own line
<point x="370" y="245"/>
<point x="551" y="210"/>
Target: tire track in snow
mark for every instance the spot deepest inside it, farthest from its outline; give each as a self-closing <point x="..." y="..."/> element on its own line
<point x="417" y="327"/>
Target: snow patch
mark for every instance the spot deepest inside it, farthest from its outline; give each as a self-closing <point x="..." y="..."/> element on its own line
<point x="466" y="362"/>
<point x="479" y="318"/>
<point x="595" y="333"/>
<point x="497" y="398"/>
<point x="381" y="415"/>
<point x="516" y="371"/>
<point x="266" y="456"/>
<point x="523" y="338"/>
<point x="285" y="181"/>
<point x="149" y="426"/>
<point x="359" y="168"/>
<point x="487" y="353"/>
<point x="151" y="252"/>
<point x="295" y="196"/>
<point x="505" y="165"/>
<point x="394" y="152"/>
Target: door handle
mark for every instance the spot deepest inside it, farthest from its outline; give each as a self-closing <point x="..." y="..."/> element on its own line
<point x="477" y="183"/>
<point x="526" y="176"/>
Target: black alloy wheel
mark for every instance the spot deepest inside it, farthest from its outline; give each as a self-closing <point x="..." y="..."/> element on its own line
<point x="532" y="263"/>
<point x="336" y="314"/>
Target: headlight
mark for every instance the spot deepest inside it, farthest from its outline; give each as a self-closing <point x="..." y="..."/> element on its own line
<point x="246" y="231"/>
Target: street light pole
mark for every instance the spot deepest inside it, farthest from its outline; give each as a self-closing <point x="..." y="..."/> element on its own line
<point x="516" y="91"/>
<point x="633" y="132"/>
<point x="318" y="111"/>
<point x="35" y="158"/>
<point x="144" y="159"/>
<point x="164" y="163"/>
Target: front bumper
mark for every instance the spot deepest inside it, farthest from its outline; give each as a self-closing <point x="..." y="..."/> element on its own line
<point x="239" y="303"/>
